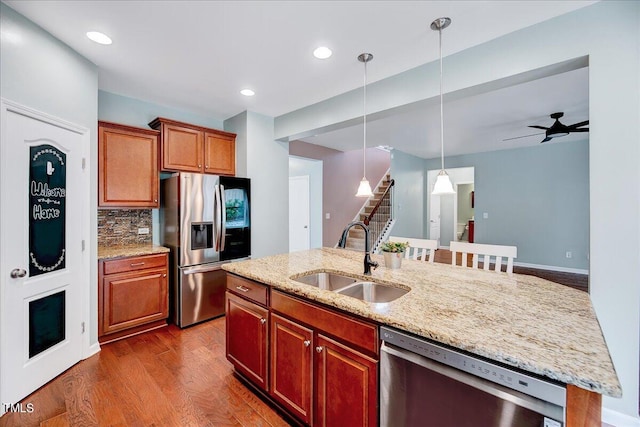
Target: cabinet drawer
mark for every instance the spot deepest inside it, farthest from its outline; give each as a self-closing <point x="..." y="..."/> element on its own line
<point x="248" y="289"/>
<point x="122" y="265"/>
<point x="345" y="328"/>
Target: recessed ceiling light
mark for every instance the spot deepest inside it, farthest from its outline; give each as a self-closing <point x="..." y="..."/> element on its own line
<point x="322" y="52"/>
<point x="247" y="92"/>
<point x="99" y="37"/>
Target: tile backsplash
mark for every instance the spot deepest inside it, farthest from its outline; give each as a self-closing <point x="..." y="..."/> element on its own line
<point x="119" y="227"/>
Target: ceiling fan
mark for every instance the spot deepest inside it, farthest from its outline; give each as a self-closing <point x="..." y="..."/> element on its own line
<point x="556" y="129"/>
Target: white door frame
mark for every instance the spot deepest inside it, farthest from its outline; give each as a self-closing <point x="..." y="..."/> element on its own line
<point x="6" y="107"/>
<point x="303" y="179"/>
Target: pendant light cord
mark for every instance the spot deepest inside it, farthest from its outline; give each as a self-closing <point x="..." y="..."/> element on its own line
<point x="441" y="102"/>
<point x="364" y="139"/>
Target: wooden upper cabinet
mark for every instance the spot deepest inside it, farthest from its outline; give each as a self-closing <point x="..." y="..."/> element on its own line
<point x="190" y="148"/>
<point x="181" y="148"/>
<point x="219" y="153"/>
<point x="127" y="166"/>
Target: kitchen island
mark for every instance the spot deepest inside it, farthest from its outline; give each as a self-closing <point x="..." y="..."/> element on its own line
<point x="522" y="321"/>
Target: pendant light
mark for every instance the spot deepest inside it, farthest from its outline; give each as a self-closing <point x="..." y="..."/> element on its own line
<point x="364" y="190"/>
<point x="443" y="183"/>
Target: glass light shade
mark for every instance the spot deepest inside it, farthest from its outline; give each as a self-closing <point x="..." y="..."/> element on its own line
<point x="364" y="190"/>
<point x="443" y="185"/>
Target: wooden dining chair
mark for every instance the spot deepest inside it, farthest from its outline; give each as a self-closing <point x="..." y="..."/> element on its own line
<point x="497" y="252"/>
<point x="419" y="249"/>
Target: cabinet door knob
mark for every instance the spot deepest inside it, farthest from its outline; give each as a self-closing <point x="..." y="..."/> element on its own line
<point x="263" y="321"/>
<point x="155" y="200"/>
<point x="164" y="275"/>
<point x="319" y="349"/>
<point x="206" y="166"/>
<point x="307" y="343"/>
<point x="199" y="166"/>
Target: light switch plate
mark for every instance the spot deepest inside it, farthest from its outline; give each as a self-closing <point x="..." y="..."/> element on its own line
<point x="143" y="230"/>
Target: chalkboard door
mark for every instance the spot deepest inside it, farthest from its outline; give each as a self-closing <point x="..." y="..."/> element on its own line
<point x="44" y="283"/>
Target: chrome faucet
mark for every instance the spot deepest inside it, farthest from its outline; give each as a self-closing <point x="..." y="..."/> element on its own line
<point x="367" y="257"/>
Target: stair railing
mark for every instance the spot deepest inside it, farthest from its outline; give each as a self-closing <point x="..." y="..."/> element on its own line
<point x="380" y="216"/>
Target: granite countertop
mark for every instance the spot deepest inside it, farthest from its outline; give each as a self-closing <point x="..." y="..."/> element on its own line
<point x="524" y="321"/>
<point x="106" y="252"/>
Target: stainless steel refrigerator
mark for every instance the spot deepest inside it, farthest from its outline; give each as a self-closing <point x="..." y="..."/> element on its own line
<point x="205" y="221"/>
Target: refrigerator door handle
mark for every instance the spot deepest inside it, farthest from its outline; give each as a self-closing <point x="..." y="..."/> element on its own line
<point x="217" y="209"/>
<point x="223" y="217"/>
<point x="202" y="269"/>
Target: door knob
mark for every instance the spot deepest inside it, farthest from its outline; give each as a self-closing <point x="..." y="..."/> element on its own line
<point x="307" y="343"/>
<point x="18" y="272"/>
<point x="319" y="349"/>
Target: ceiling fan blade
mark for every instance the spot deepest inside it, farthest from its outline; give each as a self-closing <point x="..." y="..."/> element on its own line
<point x="546" y="139"/>
<point x="577" y="125"/>
<point x="538" y="127"/>
<point x="523" y="136"/>
<point x="578" y="130"/>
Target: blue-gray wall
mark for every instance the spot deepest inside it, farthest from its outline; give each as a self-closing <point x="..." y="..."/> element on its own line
<point x="266" y="162"/>
<point x="410" y="178"/>
<point x="40" y="72"/>
<point x="134" y="112"/>
<point x="536" y="198"/>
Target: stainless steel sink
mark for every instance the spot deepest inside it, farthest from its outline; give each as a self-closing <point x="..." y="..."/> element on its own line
<point x="327" y="281"/>
<point x="373" y="292"/>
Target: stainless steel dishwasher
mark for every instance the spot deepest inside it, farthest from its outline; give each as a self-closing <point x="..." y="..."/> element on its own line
<point x="425" y="384"/>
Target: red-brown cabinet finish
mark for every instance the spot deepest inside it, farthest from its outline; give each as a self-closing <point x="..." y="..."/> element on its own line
<point x="247" y="328"/>
<point x="346" y="386"/>
<point x="127" y="166"/>
<point x="190" y="148"/>
<point x="291" y="366"/>
<point x="132" y="295"/>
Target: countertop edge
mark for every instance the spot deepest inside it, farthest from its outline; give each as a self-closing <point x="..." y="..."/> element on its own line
<point x="111" y="252"/>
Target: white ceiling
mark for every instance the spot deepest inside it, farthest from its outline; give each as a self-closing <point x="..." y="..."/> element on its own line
<point x="198" y="55"/>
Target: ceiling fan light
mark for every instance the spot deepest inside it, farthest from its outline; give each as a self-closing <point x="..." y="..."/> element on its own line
<point x="364" y="189"/>
<point x="443" y="185"/>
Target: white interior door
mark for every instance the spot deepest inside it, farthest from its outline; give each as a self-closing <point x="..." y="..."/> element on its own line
<point x="298" y="213"/>
<point x="44" y="195"/>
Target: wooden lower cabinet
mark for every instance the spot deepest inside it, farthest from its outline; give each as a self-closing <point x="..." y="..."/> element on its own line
<point x="247" y="330"/>
<point x="291" y="367"/>
<point x="316" y="363"/>
<point x="132" y="295"/>
<point x="346" y="386"/>
<point x="324" y="368"/>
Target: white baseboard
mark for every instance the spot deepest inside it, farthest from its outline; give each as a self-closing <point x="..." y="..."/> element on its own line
<point x="619" y="419"/>
<point x="93" y="349"/>
<point x="551" y="268"/>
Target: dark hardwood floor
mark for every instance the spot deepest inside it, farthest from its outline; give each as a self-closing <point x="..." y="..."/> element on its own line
<point x="166" y="377"/>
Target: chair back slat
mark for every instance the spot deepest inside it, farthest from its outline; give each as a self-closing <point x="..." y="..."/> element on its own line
<point x="419" y="249"/>
<point x="486" y="251"/>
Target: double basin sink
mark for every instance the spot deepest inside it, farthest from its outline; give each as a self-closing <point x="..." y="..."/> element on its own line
<point x="367" y="291"/>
